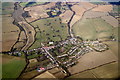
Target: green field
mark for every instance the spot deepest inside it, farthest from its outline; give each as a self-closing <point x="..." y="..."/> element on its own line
<point x="49" y="29"/>
<point x="93" y="29"/>
<point x="28" y="4"/>
<point x="7" y="8"/>
<point x="12" y="66"/>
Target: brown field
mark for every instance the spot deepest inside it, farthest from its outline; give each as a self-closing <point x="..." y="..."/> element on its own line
<point x="78" y="9"/>
<point x="92" y="60"/>
<point x="9" y="32"/>
<point x="22" y="36"/>
<point x="45" y="75"/>
<point x="87" y="5"/>
<point x="37" y="12"/>
<point x="7" y="58"/>
<point x="75" y="19"/>
<point x="113" y="46"/>
<point x="78" y="14"/>
<point x="66" y="16"/>
<point x="105" y="71"/>
<point x="85" y="74"/>
<point x="103" y="8"/>
<point x="29" y="74"/>
<point x="94" y="14"/>
<point x="111" y="20"/>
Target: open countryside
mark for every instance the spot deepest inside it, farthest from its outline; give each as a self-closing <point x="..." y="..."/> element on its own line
<point x="59" y="40"/>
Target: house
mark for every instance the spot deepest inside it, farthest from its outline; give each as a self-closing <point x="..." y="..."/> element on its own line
<point x="50" y="43"/>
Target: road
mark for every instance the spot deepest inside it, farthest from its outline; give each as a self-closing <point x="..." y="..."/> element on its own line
<point x="56" y="61"/>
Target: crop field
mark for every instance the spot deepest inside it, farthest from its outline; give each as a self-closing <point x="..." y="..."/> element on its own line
<point x="111" y="20"/>
<point x="94" y="14"/>
<point x="66" y="16"/>
<point x="49" y="30"/>
<point x="92" y="60"/>
<point x="12" y="66"/>
<point x="113" y="46"/>
<point x="37" y="12"/>
<point x="103" y="8"/>
<point x="29" y="74"/>
<point x="87" y="5"/>
<point x="105" y="71"/>
<point x="9" y="32"/>
<point x="85" y="74"/>
<point x="92" y="29"/>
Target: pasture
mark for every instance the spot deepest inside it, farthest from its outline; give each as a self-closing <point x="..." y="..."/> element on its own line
<point x="50" y="29"/>
<point x="12" y="66"/>
<point x="28" y="4"/>
<point x="7" y="8"/>
<point x="92" y="29"/>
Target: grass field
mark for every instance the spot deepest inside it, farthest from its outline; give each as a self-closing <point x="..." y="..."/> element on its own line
<point x="92" y="29"/>
<point x="28" y="4"/>
<point x="12" y="66"/>
<point x="7" y="7"/>
<point x="49" y="30"/>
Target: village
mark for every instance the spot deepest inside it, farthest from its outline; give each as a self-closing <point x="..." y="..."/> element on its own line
<point x="65" y="52"/>
<point x="60" y="39"/>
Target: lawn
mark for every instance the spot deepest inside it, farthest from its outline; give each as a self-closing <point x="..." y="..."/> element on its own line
<point x="12" y="66"/>
<point x="92" y="29"/>
<point x="50" y="29"/>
